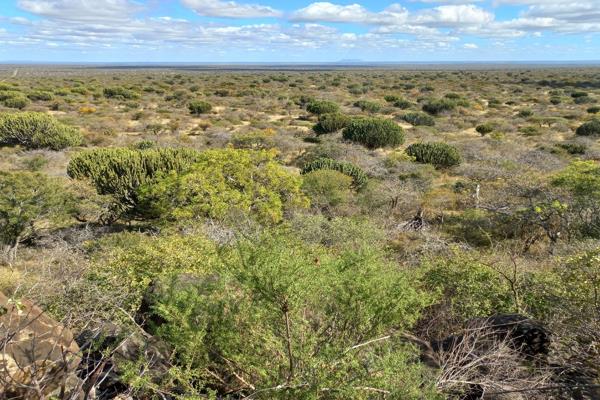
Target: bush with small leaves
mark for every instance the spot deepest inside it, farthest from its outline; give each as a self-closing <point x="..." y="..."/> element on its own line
<point x="374" y="132"/>
<point x="40" y="96"/>
<point x="18" y="102"/>
<point x="199" y="107"/>
<point x="120" y="93"/>
<point x="319" y="107"/>
<point x="327" y="189"/>
<point x="525" y="113"/>
<point x="573" y="148"/>
<point x="555" y="100"/>
<point x="391" y="98"/>
<point x="35" y="130"/>
<point x="484" y="129"/>
<point x="329" y="123"/>
<point x="576" y="95"/>
<point x="439" y="106"/>
<point x="402" y="104"/>
<point x="589" y="128"/>
<point x="419" y="119"/>
<point x="441" y="155"/>
<point x="593" y="110"/>
<point x="367" y="105"/>
<point x="359" y="178"/>
<point x="119" y="172"/>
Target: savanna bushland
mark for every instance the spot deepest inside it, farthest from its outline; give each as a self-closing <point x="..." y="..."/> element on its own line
<point x="340" y="234"/>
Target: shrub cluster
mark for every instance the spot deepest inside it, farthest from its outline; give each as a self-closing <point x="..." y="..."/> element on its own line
<point x="199" y="107"/>
<point x="331" y="122"/>
<point x="120" y="93"/>
<point x="436" y="153"/>
<point x="35" y="130"/>
<point x="119" y="172"/>
<point x="589" y="128"/>
<point x="374" y="132"/>
<point x="13" y="99"/>
<point x="319" y="107"/>
<point x="358" y="176"/>
<point x="486" y="128"/>
<point x="439" y="106"/>
<point x="419" y="119"/>
<point x="367" y="105"/>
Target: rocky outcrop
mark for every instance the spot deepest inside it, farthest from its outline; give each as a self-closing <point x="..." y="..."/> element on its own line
<point x="39" y="356"/>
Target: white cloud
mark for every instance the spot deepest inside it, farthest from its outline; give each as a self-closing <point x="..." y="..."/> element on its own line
<point x="454" y="15"/>
<point x="230" y="9"/>
<point x="470" y="46"/>
<point x="81" y="10"/>
<point x="353" y="13"/>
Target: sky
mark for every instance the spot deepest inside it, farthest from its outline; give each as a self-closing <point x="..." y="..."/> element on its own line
<point x="298" y="30"/>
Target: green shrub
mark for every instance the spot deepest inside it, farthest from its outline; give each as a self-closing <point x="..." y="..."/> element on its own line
<point x="367" y="105"/>
<point x="593" y="110"/>
<point x="319" y="107"/>
<point x="222" y="182"/>
<point x="374" y="132"/>
<point x="120" y="93"/>
<point x="402" y="104"/>
<point x="589" y="128"/>
<point x="525" y="113"/>
<point x="573" y="148"/>
<point x="439" y="106"/>
<point x="327" y="188"/>
<point x="419" y="119"/>
<point x="576" y="95"/>
<point x="486" y="128"/>
<point x="358" y="176"/>
<point x="391" y="98"/>
<point x="555" y="100"/>
<point x="18" y="102"/>
<point x="530" y="130"/>
<point x="329" y="123"/>
<point x="40" y="96"/>
<point x="119" y="172"/>
<point x="199" y="107"/>
<point x="36" y="131"/>
<point x="436" y="153"/>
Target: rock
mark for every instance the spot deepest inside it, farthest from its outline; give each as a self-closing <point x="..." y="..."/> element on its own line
<point x="39" y="356"/>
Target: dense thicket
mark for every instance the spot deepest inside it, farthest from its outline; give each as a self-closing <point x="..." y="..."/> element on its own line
<point x="35" y="130"/>
<point x="436" y="153"/>
<point x="374" y="132"/>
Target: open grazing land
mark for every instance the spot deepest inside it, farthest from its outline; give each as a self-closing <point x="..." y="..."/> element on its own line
<point x="299" y="233"/>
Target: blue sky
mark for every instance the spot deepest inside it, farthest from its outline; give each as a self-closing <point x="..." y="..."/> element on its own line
<point x="298" y="30"/>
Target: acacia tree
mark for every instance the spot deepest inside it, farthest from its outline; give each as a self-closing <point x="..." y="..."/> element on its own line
<point x="28" y="202"/>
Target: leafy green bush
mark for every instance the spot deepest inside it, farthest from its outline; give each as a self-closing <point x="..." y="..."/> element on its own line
<point x="419" y="119"/>
<point x="436" y="153"/>
<point x="224" y="181"/>
<point x="322" y="107"/>
<point x="331" y="122"/>
<point x="374" y="132"/>
<point x="589" y="128"/>
<point x="36" y="131"/>
<point x="119" y="172"/>
<point x="573" y="148"/>
<point x="40" y="96"/>
<point x="367" y="105"/>
<point x="327" y="188"/>
<point x="18" y="102"/>
<point x="526" y="113"/>
<point x="358" y="176"/>
<point x="484" y="129"/>
<point x="593" y="110"/>
<point x="439" y="106"/>
<point x="402" y="104"/>
<point x="199" y="107"/>
<point x="120" y="93"/>
<point x="280" y="311"/>
<point x="28" y="202"/>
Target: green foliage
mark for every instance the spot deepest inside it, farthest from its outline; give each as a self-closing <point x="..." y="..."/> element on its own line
<point x="593" y="110"/>
<point x="40" y="95"/>
<point x="368" y="105"/>
<point x="374" y="132"/>
<point x="573" y="148"/>
<point x="120" y="93"/>
<point x="18" y="102"/>
<point x="359" y="178"/>
<point x="438" y="106"/>
<point x="319" y="107"/>
<point x="440" y="154"/>
<point x="589" y="128"/>
<point x="419" y="119"/>
<point x="119" y="172"/>
<point x="327" y="188"/>
<point x="486" y="128"/>
<point x="467" y="287"/>
<point x="402" y="104"/>
<point x="28" y="202"/>
<point x="37" y="130"/>
<point x="283" y="313"/>
<point x="199" y="107"/>
<point x="526" y="113"/>
<point x="329" y="123"/>
<point x="580" y="282"/>
<point x="224" y="181"/>
<point x="582" y="178"/>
